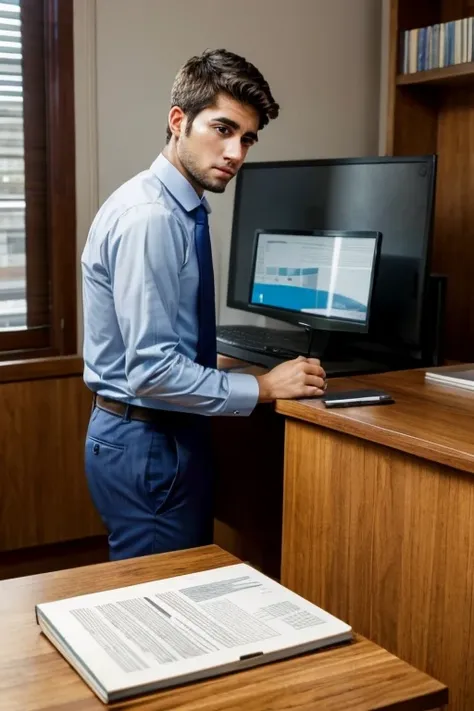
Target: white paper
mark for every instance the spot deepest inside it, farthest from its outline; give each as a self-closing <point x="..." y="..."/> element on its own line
<point x="177" y="628"/>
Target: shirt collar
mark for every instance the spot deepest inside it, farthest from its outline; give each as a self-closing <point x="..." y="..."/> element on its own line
<point x="180" y="188"/>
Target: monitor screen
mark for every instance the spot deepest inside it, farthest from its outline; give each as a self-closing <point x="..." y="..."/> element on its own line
<point x="316" y="277"/>
<point x="391" y="195"/>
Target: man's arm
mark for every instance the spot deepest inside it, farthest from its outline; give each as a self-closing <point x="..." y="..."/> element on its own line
<point x="147" y="253"/>
<point x="297" y="378"/>
<point x="147" y="250"/>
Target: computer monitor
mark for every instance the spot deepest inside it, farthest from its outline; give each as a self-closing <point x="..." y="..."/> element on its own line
<point x="322" y="280"/>
<point x="391" y="195"/>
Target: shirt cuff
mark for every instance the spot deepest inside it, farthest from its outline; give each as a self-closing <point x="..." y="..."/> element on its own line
<point x="243" y="394"/>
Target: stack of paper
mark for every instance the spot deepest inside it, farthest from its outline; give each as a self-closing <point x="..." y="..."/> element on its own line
<point x="145" y="637"/>
<point x="460" y="376"/>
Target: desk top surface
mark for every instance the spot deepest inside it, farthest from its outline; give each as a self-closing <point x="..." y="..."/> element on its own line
<point x="35" y="677"/>
<point x="429" y="420"/>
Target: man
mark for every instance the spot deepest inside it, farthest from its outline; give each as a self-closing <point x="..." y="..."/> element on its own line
<point x="149" y="319"/>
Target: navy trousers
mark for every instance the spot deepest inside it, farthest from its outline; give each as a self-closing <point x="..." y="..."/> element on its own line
<point x="152" y="483"/>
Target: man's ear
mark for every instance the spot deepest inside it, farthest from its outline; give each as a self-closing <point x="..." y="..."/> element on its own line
<point x="176" y="121"/>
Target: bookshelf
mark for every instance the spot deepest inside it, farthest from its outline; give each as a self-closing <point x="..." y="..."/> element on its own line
<point x="456" y="75"/>
<point x="433" y="112"/>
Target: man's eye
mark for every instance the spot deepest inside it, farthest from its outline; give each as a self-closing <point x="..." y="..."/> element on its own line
<point x="223" y="130"/>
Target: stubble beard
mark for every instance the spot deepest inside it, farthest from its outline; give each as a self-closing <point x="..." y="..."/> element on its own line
<point x="196" y="174"/>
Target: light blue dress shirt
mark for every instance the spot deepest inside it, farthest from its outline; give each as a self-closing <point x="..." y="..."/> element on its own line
<point x="140" y="288"/>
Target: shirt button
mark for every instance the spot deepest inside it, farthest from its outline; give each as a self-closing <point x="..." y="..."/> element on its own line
<point x="236" y="412"/>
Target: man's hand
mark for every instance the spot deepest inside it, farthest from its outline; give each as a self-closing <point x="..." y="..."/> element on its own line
<point x="298" y="378"/>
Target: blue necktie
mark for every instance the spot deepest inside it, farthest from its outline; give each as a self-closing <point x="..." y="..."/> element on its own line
<point x="207" y="345"/>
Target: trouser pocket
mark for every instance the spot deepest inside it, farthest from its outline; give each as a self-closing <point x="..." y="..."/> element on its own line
<point x="161" y="470"/>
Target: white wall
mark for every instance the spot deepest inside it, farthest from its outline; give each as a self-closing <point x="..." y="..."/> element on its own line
<point x="321" y="58"/>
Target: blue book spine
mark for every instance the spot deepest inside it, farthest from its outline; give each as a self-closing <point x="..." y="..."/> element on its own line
<point x="429" y="48"/>
<point x="452" y="42"/>
<point x="449" y="43"/>
<point x="420" y="65"/>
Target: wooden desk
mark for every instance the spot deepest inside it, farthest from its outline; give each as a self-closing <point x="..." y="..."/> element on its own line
<point x="378" y="520"/>
<point x="34" y="676"/>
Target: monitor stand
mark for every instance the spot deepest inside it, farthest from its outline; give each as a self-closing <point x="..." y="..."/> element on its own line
<point x="318" y="341"/>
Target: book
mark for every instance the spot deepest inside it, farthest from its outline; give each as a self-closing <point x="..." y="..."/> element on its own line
<point x="460" y="376"/>
<point x="140" y="638"/>
<point x="437" y="46"/>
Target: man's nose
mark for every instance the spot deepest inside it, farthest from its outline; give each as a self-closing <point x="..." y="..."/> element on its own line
<point x="234" y="150"/>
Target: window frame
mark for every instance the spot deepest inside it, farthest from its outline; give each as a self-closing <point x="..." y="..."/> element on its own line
<point x="50" y="189"/>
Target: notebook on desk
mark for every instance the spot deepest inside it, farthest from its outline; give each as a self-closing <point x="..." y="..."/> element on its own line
<point x="141" y="638"/>
<point x="459" y="376"/>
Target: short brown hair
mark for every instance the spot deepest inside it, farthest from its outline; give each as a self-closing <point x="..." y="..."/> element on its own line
<point x="217" y="71"/>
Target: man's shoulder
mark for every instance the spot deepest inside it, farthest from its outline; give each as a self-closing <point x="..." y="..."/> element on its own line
<point x="139" y="194"/>
<point x="141" y="198"/>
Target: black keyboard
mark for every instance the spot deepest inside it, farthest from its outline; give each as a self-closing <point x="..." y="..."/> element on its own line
<point x="268" y="341"/>
<point x="269" y="347"/>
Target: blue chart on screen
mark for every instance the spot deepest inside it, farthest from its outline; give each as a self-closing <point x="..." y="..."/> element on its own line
<point x="321" y="275"/>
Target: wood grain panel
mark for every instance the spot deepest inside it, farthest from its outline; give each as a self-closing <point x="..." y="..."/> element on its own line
<point x="35" y="81"/>
<point x="249" y="486"/>
<point x="384" y="540"/>
<point x="455" y="75"/>
<point x="406" y="425"/>
<point x="59" y="53"/>
<point x="359" y="676"/>
<point x="43" y="492"/>
<point x="455" y="9"/>
<point x="416" y="121"/>
<point x="435" y="114"/>
<point x="417" y="14"/>
<point x="412" y="120"/>
<point x="54" y="556"/>
<point x="39" y="368"/>
<point x="453" y="252"/>
<point x="393" y="68"/>
<point x="249" y="481"/>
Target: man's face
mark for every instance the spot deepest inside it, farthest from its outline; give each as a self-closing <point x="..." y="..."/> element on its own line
<point x="217" y="144"/>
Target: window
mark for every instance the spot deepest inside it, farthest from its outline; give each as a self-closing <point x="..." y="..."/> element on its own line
<point x="37" y="168"/>
<point x="12" y="172"/>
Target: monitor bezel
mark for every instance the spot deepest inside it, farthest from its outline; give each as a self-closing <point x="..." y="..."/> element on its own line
<point x="428" y="160"/>
<point x="302" y="318"/>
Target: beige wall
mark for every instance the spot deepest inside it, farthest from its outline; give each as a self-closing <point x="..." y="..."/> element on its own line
<point x="321" y="58"/>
